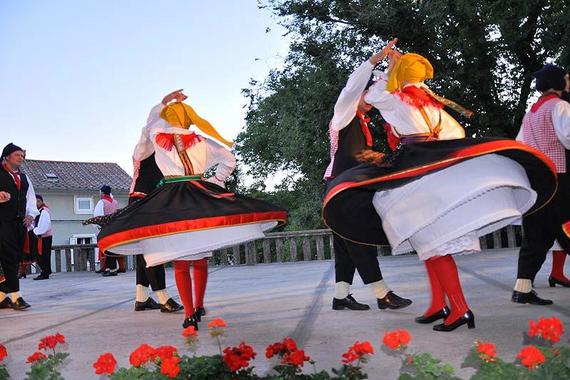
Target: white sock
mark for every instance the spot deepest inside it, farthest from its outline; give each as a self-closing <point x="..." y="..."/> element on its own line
<point x="379" y="289"/>
<point x="162" y="296"/>
<point x="14" y="296"/>
<point x="342" y="290"/>
<point x="142" y="293"/>
<point x="523" y="286"/>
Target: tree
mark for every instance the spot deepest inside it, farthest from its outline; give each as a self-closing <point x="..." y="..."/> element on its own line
<point x="484" y="53"/>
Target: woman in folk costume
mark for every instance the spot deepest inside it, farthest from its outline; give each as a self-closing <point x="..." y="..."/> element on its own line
<point x="438" y="192"/>
<point x="187" y="216"/>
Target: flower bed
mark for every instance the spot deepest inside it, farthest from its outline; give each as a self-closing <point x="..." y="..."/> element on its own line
<point x="540" y="358"/>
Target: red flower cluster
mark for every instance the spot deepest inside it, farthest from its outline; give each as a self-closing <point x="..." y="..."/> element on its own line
<point x="105" y="365"/>
<point x="486" y="351"/>
<point x="288" y="351"/>
<point x="165" y="352"/>
<point x="357" y="352"/>
<point x="3" y="352"/>
<point x="217" y="323"/>
<point x="170" y="366"/>
<point x="238" y="357"/>
<point x="531" y="357"/>
<point x="397" y="339"/>
<point x="36" y="357"/>
<point x="142" y="354"/>
<point x="550" y="329"/>
<point x="189" y="331"/>
<point x="51" y="341"/>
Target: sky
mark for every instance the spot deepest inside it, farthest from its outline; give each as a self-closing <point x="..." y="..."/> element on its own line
<point x="78" y="78"/>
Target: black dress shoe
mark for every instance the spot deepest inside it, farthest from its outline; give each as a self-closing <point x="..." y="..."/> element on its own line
<point x="442" y="314"/>
<point x="348" y="303"/>
<point x="199" y="312"/>
<point x="170" y="306"/>
<point x="109" y="273"/>
<point x="190" y="321"/>
<point x="42" y="277"/>
<point x="467" y="318"/>
<point x="393" y="301"/>
<point x="99" y="271"/>
<point x="20" y="304"/>
<point x="552" y="282"/>
<point x="149" y="304"/>
<point x="531" y="297"/>
<point x="6" y="303"/>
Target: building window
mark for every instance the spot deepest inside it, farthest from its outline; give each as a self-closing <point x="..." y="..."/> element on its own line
<point x="83" y="239"/>
<point x="83" y="205"/>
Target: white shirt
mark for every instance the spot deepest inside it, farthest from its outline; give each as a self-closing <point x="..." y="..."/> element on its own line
<point x="99" y="209"/>
<point x="560" y="121"/>
<point x="406" y="119"/>
<point x="44" y="223"/>
<point x="203" y="155"/>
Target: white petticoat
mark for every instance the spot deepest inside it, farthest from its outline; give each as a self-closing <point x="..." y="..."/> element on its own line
<point x="447" y="211"/>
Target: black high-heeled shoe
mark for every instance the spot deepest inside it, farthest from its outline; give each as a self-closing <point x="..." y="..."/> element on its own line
<point x="467" y="318"/>
<point x="553" y="281"/>
<point x="199" y="313"/>
<point x="442" y="314"/>
<point x="190" y="321"/>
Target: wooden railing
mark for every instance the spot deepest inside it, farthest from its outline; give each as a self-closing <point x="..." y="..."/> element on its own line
<point x="277" y="247"/>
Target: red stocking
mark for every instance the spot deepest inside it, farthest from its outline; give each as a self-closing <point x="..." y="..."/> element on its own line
<point x="184" y="285"/>
<point x="446" y="271"/>
<point x="200" y="281"/>
<point x="437" y="294"/>
<point x="558" y="259"/>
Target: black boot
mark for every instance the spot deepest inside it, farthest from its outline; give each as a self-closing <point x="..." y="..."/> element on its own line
<point x="467" y="318"/>
<point x="348" y="303"/>
<point x="393" y="301"/>
<point x="190" y="321"/>
<point x="442" y="314"/>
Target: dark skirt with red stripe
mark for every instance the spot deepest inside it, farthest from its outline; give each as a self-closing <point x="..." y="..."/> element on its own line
<point x="183" y="219"/>
<point x="348" y="208"/>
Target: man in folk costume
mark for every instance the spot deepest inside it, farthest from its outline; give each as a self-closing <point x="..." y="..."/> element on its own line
<point x="43" y="233"/>
<point x="349" y="135"/>
<point x="4" y="197"/>
<point x="546" y="127"/>
<point x="439" y="191"/>
<point x="187" y="216"/>
<point x="107" y="205"/>
<point x="16" y="215"/>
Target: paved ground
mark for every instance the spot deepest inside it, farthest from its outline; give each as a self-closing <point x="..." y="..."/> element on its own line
<point x="264" y="303"/>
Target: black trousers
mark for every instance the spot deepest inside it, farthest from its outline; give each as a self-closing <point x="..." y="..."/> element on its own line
<point x="542" y="228"/>
<point x="153" y="276"/>
<point x="45" y="258"/>
<point x="349" y="256"/>
<point x="12" y="235"/>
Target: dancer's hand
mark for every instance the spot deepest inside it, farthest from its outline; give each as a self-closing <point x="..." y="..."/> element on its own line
<point x="28" y="220"/>
<point x="394" y="57"/>
<point x="4" y="196"/>
<point x="177" y="96"/>
<point x="378" y="57"/>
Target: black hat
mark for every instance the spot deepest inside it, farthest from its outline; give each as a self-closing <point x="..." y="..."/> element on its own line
<point x="39" y="197"/>
<point x="550" y="77"/>
<point x="106" y="189"/>
<point x="9" y="149"/>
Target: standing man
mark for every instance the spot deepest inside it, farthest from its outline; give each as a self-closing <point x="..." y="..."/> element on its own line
<point x="44" y="234"/>
<point x="107" y="205"/>
<point x="349" y="135"/>
<point x="16" y="216"/>
<point x="546" y="127"/>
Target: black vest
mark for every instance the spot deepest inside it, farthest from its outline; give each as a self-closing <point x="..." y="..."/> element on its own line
<point x="149" y="176"/>
<point x="351" y="141"/>
<point x="16" y="207"/>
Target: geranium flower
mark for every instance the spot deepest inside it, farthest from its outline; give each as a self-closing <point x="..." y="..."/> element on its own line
<point x="357" y="352"/>
<point x="3" y="352"/>
<point x="142" y="354"/>
<point x="170" y="367"/>
<point x="238" y="357"/>
<point x="295" y="358"/>
<point x="105" y="365"/>
<point x="217" y="323"/>
<point x="397" y="339"/>
<point x="36" y="357"/>
<point x="189" y="331"/>
<point x="486" y="351"/>
<point x="531" y="357"/>
<point x="165" y="352"/>
<point x="549" y="329"/>
<point x="51" y="341"/>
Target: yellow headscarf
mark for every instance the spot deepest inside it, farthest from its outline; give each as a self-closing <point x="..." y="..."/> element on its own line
<point x="183" y="116"/>
<point x="410" y="68"/>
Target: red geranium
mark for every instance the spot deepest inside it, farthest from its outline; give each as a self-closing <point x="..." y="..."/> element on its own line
<point x="531" y="357"/>
<point x="105" y="365"/>
<point x="397" y="339"/>
<point x="170" y="367"/>
<point x="142" y="354"/>
<point x="357" y="352"/>
<point x="36" y="357"/>
<point x="3" y="352"/>
<point x="238" y="357"/>
<point x="550" y="329"/>
<point x="486" y="351"/>
<point x="295" y="358"/>
<point x="189" y="331"/>
<point x="51" y="341"/>
<point x="165" y="352"/>
<point x="217" y="323"/>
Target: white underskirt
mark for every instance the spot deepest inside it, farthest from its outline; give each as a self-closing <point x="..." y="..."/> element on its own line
<point x="447" y="211"/>
<point x="192" y="245"/>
